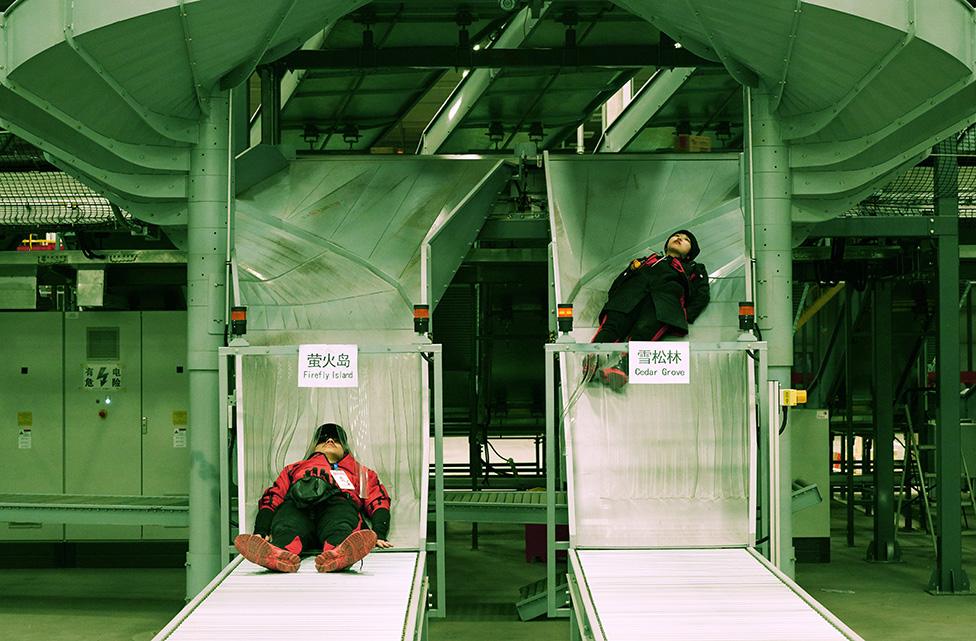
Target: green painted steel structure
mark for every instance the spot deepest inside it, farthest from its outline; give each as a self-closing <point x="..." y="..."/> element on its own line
<point x="209" y="208"/>
<point x="884" y="546"/>
<point x="769" y="202"/>
<point x="836" y="121"/>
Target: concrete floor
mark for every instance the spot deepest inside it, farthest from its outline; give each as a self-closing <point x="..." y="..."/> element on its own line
<point x="880" y="602"/>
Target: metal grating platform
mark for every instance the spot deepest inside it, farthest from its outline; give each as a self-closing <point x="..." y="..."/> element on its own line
<point x="371" y="602"/>
<point x="501" y="507"/>
<point x="728" y="594"/>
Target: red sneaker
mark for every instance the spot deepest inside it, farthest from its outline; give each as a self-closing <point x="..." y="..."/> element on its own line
<point x="614" y="378"/>
<point x="354" y="548"/>
<point x="259" y="550"/>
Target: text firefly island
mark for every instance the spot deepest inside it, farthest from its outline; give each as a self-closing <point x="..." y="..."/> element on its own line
<point x="328" y="366"/>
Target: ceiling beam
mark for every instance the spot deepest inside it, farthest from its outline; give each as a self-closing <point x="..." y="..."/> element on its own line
<point x="635" y="56"/>
<point x="655" y="93"/>
<point x="475" y="84"/>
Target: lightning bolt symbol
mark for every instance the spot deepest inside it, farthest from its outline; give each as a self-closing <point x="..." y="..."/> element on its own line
<point x="103" y="376"/>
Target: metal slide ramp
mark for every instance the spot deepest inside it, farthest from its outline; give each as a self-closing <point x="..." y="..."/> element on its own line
<point x="663" y="481"/>
<point x="729" y="594"/>
<point x="662" y="499"/>
<point x="352" y="243"/>
<point x="381" y="600"/>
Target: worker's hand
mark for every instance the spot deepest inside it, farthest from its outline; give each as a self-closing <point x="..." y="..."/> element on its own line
<point x="380" y="543"/>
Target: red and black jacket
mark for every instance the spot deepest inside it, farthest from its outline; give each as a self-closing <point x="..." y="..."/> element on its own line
<point x="367" y="493"/>
<point x="679" y="289"/>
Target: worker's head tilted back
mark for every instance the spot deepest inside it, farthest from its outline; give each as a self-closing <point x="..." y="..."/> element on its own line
<point x="331" y="440"/>
<point x="682" y="244"/>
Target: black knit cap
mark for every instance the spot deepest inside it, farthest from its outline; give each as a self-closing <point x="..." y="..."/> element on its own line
<point x="695" y="249"/>
<point x="333" y="431"/>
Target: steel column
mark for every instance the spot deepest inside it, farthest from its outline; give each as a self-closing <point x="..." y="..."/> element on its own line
<point x="849" y="411"/>
<point x="771" y="192"/>
<point x="439" y="530"/>
<point x="884" y="547"/>
<point x="948" y="576"/>
<point x="550" y="465"/>
<point x="270" y="105"/>
<point x="206" y="267"/>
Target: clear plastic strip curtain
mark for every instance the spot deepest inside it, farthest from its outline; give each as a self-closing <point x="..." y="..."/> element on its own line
<point x="383" y="419"/>
<point x="662" y="465"/>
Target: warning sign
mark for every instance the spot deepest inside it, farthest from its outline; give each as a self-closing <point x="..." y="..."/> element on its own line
<point x="101" y="377"/>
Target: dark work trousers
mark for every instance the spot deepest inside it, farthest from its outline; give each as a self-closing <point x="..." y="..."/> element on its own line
<point x="326" y="524"/>
<point x="639" y="324"/>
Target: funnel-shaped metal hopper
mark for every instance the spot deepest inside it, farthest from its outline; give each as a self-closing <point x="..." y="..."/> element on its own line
<point x="334" y="245"/>
<point x="607" y="211"/>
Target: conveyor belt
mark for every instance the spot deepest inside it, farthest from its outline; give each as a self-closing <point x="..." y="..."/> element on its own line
<point x="382" y="601"/>
<point x="728" y="594"/>
<point x="93" y="509"/>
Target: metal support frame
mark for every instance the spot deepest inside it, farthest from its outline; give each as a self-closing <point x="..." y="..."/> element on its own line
<point x="770" y="203"/>
<point x="779" y="552"/>
<point x="766" y="455"/>
<point x="474" y="85"/>
<point x="849" y="412"/>
<point x="948" y="576"/>
<point x="206" y="317"/>
<point x="884" y="547"/>
<point x="630" y="56"/>
<point x="440" y="611"/>
<point x="649" y="100"/>
<point x="230" y="357"/>
<point x="552" y="609"/>
<point x="270" y="105"/>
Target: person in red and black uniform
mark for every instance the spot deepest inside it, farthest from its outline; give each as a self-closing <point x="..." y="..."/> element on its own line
<point x="320" y="500"/>
<point x="656" y="295"/>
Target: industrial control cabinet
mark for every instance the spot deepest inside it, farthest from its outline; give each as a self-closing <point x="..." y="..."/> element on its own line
<point x="93" y="403"/>
<point x="810" y="460"/>
<point x="165" y="419"/>
<point x="103" y="413"/>
<point x="31" y="408"/>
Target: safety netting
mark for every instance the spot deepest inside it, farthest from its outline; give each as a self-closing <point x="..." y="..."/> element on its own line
<point x="914" y="192"/>
<point x="34" y="193"/>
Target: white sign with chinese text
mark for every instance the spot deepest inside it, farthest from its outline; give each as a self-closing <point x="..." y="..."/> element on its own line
<point x="328" y="366"/>
<point x="659" y="363"/>
<point x="99" y="377"/>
